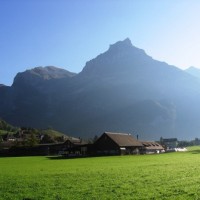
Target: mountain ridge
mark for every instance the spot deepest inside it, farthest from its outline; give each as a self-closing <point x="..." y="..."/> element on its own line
<point x="193" y="71"/>
<point x="122" y="89"/>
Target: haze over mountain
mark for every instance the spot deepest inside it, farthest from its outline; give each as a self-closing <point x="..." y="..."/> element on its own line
<point x="193" y="71"/>
<point x="122" y="90"/>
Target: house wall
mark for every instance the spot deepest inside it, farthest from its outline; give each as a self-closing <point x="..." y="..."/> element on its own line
<point x="105" y="146"/>
<point x="171" y="145"/>
<point x="133" y="150"/>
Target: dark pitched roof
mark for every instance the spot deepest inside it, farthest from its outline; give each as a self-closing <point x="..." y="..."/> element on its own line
<point x="123" y="139"/>
<point x="75" y="141"/>
<point x="152" y="145"/>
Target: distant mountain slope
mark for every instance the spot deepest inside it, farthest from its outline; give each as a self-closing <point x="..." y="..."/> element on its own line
<point x="41" y="74"/>
<point x="5" y="127"/>
<point x="122" y="90"/>
<point x="193" y="71"/>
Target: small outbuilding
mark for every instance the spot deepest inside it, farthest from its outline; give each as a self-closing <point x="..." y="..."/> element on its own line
<point x="152" y="147"/>
<point x="117" y="144"/>
<point x="74" y="147"/>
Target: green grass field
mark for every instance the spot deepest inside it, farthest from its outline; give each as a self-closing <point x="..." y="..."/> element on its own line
<point x="165" y="176"/>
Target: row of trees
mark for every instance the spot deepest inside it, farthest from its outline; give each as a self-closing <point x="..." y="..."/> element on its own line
<point x="27" y="136"/>
<point x="185" y="143"/>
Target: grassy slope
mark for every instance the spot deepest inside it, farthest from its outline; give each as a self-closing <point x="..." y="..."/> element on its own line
<point x="167" y="176"/>
<point x="52" y="132"/>
<point x="2" y="132"/>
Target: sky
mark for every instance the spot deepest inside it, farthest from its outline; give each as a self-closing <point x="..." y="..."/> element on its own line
<point x="68" y="33"/>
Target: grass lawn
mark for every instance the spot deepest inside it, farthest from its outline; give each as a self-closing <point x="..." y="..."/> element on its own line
<point x="165" y="176"/>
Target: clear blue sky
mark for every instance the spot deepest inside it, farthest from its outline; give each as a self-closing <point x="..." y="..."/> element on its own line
<point x="68" y="33"/>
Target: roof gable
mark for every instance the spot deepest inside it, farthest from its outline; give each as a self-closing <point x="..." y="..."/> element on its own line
<point x="75" y="141"/>
<point x="123" y="139"/>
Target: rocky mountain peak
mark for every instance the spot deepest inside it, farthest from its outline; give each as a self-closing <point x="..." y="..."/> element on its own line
<point x="121" y="44"/>
<point x="39" y="74"/>
<point x="121" y="56"/>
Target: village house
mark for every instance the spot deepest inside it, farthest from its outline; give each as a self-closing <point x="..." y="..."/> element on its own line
<point x="8" y="137"/>
<point x="72" y="147"/>
<point x="117" y="144"/>
<point x="169" y="143"/>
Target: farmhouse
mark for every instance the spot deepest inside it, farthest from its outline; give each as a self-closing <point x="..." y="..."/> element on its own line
<point x="117" y="144"/>
<point x="151" y="147"/>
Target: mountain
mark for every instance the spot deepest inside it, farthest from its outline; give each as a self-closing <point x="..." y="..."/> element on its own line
<point x="29" y="101"/>
<point x="122" y="89"/>
<point x="193" y="71"/>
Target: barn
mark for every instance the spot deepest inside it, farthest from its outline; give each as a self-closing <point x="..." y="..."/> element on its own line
<point x="110" y="143"/>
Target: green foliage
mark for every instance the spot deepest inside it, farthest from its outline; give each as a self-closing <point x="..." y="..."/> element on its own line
<point x="48" y="139"/>
<point x="166" y="176"/>
<point x="31" y="136"/>
<point x="3" y="132"/>
<point x="32" y="140"/>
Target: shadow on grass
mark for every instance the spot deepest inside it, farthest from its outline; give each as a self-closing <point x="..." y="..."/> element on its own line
<point x="56" y="157"/>
<point x="65" y="157"/>
<point x="195" y="151"/>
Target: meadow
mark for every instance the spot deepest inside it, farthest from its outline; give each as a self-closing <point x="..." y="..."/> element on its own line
<point x="164" y="176"/>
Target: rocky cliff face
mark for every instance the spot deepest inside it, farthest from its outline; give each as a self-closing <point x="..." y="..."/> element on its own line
<point x="122" y="90"/>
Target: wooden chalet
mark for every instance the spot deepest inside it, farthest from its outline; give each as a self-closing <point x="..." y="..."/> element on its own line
<point x="117" y="144"/>
<point x="151" y="147"/>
